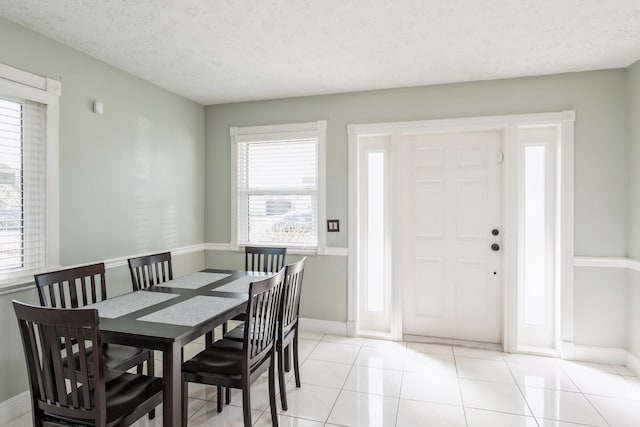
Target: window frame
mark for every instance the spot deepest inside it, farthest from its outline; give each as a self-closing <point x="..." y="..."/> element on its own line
<point x="20" y="84"/>
<point x="306" y="130"/>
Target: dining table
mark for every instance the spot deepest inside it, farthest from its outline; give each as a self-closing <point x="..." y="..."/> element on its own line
<point x="167" y="316"/>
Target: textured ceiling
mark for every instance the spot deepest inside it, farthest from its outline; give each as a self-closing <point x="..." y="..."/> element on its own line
<point x="219" y="51"/>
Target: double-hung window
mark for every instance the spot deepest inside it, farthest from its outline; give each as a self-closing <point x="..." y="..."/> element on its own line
<point x="278" y="185"/>
<point x="29" y="113"/>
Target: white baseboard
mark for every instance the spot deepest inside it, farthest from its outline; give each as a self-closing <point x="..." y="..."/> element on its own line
<point x="610" y="356"/>
<point x="351" y="328"/>
<point x="323" y="326"/>
<point x="449" y="341"/>
<point x="15" y="407"/>
<point x="567" y="350"/>
<point x="633" y="363"/>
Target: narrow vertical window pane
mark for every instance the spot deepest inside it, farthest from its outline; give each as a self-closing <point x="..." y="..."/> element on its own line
<point x="375" y="233"/>
<point x="535" y="238"/>
<point x="11" y="186"/>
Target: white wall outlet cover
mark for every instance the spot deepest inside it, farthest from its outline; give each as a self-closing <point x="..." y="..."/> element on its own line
<point x="98" y="107"/>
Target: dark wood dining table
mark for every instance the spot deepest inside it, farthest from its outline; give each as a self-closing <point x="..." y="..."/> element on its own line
<point x="168" y="316"/>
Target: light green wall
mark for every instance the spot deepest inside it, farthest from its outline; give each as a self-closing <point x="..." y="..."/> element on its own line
<point x="633" y="120"/>
<point x="600" y="162"/>
<point x="137" y="169"/>
<point x="601" y="312"/>
<point x="601" y="188"/>
<point x="131" y="180"/>
<point x="633" y="302"/>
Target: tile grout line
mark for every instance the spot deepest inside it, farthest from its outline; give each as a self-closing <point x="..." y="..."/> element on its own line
<point x="404" y="362"/>
<point x="342" y="387"/>
<point x="585" y="395"/>
<point x="464" y="408"/>
<point x="524" y="396"/>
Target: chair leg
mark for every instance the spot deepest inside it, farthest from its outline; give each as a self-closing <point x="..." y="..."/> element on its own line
<point x="224" y="328"/>
<point x="208" y="339"/>
<point x="151" y="373"/>
<point x="185" y="402"/>
<point x="272" y="393"/>
<point x="220" y="403"/>
<point x="281" y="371"/>
<point x="246" y="402"/>
<point x="296" y="364"/>
<point x="227" y="395"/>
<point x="287" y="358"/>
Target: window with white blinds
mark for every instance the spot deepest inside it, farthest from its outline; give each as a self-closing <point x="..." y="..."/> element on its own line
<point x="29" y="205"/>
<point x="279" y="184"/>
<point x="22" y="185"/>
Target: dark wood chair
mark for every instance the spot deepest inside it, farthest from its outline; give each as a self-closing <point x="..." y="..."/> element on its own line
<point x="238" y="364"/>
<point x="79" y="286"/>
<point x="265" y="260"/>
<point x="288" y="327"/>
<point x="69" y="391"/>
<point x="150" y="270"/>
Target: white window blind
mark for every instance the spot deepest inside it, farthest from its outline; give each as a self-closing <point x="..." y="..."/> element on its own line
<point x="278" y="185"/>
<point x="22" y="185"/>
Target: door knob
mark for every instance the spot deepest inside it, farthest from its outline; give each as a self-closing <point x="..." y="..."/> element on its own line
<point x="495" y="247"/>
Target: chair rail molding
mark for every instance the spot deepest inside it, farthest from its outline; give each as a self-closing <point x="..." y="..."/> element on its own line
<point x="607" y="262"/>
<point x="330" y="251"/>
<point x="27" y="282"/>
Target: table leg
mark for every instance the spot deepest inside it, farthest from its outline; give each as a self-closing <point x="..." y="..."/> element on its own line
<point x="172" y="393"/>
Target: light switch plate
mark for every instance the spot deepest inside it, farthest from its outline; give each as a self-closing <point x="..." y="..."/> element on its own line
<point x="333" y="225"/>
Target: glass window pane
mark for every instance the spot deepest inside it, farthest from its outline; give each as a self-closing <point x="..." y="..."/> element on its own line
<point x="281" y="219"/>
<point x="375" y="233"/>
<point x="11" y="186"/>
<point x="535" y="235"/>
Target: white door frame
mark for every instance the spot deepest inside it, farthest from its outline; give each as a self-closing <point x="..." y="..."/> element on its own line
<point x="508" y="125"/>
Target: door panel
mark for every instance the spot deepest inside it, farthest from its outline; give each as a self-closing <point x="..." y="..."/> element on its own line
<point x="430" y="293"/>
<point x="429" y="196"/>
<point x="450" y="204"/>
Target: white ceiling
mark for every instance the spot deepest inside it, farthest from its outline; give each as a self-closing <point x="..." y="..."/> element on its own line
<point x="220" y="51"/>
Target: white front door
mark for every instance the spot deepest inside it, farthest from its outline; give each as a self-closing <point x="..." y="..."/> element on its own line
<point x="451" y="186"/>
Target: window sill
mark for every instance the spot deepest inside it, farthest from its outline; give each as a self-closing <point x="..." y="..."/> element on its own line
<point x="16" y="284"/>
<point x="291" y="250"/>
<point x="327" y="251"/>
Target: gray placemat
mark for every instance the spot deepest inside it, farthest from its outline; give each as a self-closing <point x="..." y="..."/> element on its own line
<point x="128" y="303"/>
<point x="192" y="311"/>
<point x="242" y="285"/>
<point x="194" y="281"/>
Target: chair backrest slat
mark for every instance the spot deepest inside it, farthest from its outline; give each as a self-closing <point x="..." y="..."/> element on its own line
<point x="72" y="287"/>
<point x="263" y="259"/>
<point x="150" y="270"/>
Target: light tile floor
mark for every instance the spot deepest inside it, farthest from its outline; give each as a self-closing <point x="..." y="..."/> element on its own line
<point x="363" y="382"/>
